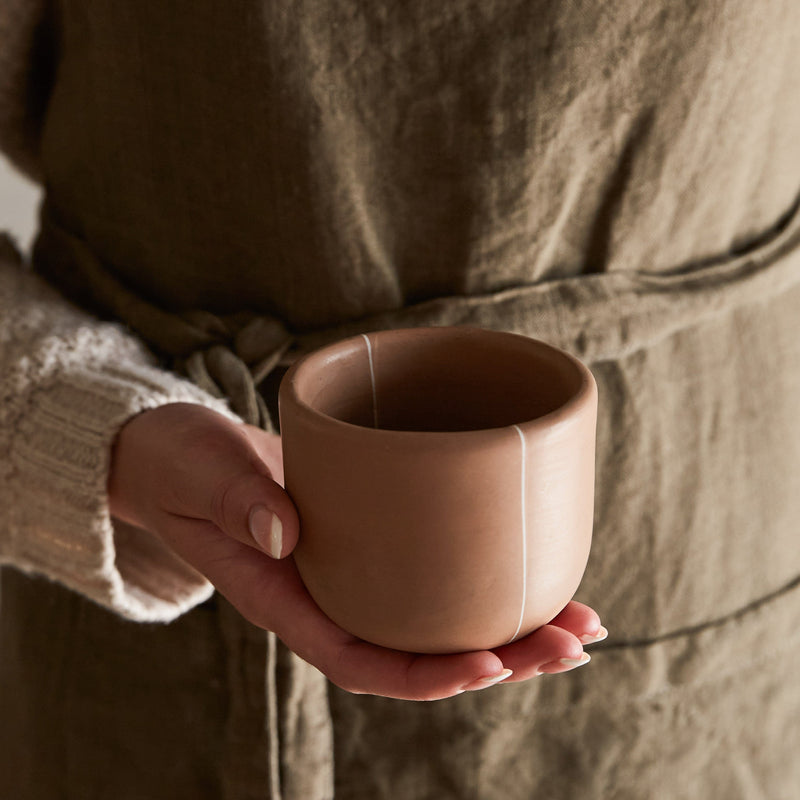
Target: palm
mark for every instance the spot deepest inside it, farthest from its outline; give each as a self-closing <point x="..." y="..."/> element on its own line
<point x="271" y="595"/>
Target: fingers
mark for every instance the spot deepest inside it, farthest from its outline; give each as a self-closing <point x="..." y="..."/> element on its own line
<point x="582" y="621"/>
<point x="540" y="652"/>
<point x="365" y="668"/>
<point x="556" y="647"/>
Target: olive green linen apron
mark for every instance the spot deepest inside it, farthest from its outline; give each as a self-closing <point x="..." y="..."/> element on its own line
<point x="242" y="183"/>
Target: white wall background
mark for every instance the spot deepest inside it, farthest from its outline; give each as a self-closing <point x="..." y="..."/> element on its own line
<point x="19" y="200"/>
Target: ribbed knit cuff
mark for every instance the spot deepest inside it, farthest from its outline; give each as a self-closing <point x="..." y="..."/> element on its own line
<point x="57" y="515"/>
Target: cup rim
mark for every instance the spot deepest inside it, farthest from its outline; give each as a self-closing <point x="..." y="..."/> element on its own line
<point x="577" y="402"/>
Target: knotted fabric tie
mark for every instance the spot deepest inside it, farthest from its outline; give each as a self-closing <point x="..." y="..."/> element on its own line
<point x="234" y="367"/>
<point x="226" y="355"/>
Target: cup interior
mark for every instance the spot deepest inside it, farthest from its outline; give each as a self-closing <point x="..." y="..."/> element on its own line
<point x="438" y="380"/>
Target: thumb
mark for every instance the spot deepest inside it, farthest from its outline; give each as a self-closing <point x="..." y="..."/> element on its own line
<point x="188" y="462"/>
<point x="253" y="508"/>
<point x="230" y="483"/>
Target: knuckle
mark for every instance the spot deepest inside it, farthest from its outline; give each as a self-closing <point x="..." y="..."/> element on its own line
<point x="340" y="674"/>
<point x="221" y="504"/>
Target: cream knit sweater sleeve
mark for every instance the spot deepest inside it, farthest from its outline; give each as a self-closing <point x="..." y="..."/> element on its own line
<point x="67" y="384"/>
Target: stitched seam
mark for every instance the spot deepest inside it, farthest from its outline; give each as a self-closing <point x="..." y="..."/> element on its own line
<point x="704" y="626"/>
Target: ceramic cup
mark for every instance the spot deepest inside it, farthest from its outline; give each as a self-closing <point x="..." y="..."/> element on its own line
<point x="444" y="479"/>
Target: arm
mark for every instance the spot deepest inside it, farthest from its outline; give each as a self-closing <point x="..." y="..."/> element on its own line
<point x="67" y="384"/>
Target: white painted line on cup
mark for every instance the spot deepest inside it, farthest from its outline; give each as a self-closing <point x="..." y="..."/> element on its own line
<point x="372" y="380"/>
<point x="524" y="526"/>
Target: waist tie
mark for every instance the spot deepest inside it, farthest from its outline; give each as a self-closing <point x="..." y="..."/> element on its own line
<point x="597" y="317"/>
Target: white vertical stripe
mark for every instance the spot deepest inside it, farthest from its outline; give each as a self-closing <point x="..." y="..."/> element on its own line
<point x="372" y="380"/>
<point x="524" y="528"/>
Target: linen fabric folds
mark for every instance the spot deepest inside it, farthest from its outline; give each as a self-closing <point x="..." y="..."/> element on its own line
<point x="239" y="183"/>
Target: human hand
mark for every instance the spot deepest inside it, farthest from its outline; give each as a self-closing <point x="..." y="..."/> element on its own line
<point x="211" y="489"/>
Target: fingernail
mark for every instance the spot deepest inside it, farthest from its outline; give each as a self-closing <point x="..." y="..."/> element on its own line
<point x="575" y="662"/>
<point x="569" y="663"/>
<point x="593" y="638"/>
<point x="267" y="529"/>
<point x="489" y="680"/>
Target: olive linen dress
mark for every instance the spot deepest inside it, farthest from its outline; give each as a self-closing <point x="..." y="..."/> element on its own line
<point x="239" y="182"/>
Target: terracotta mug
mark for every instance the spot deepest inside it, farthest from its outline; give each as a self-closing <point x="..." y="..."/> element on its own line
<point x="444" y="479"/>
